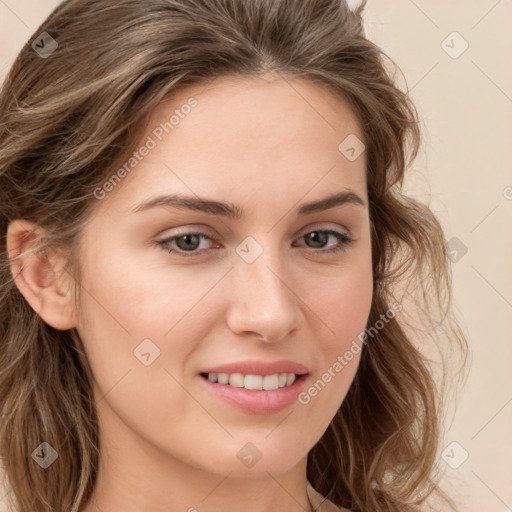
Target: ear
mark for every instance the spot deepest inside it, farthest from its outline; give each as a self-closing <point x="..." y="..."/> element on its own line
<point x="40" y="276"/>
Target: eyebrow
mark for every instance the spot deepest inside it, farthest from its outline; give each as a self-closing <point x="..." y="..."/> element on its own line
<point x="235" y="212"/>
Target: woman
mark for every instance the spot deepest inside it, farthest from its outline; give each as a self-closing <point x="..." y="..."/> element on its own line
<point x="210" y="275"/>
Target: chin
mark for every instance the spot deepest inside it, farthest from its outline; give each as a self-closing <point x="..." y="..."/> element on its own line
<point x="257" y="458"/>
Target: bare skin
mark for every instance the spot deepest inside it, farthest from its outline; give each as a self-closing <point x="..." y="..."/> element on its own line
<point x="167" y="442"/>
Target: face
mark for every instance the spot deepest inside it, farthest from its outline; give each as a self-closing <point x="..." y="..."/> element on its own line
<point x="267" y="283"/>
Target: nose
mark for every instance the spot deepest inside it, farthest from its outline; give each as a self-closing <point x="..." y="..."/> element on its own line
<point x="263" y="302"/>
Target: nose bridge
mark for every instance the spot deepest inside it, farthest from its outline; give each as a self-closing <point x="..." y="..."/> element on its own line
<point x="262" y="298"/>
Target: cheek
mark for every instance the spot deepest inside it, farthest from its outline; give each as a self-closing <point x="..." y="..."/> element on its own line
<point x="343" y="305"/>
<point x="126" y="313"/>
<point x="343" y="310"/>
<point x="348" y="308"/>
<point x="124" y="304"/>
<point x="138" y="298"/>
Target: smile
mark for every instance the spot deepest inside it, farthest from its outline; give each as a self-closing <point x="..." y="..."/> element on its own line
<point x="258" y="382"/>
<point x="246" y="392"/>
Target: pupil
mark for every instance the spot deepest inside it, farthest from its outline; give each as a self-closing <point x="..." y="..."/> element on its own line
<point x="317" y="237"/>
<point x="188" y="238"/>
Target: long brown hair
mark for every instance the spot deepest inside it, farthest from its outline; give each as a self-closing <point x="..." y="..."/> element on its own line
<point x="70" y="117"/>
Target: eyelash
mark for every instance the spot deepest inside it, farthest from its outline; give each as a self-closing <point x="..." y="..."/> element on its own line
<point x="345" y="240"/>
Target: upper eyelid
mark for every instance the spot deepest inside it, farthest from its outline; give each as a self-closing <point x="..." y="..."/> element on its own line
<point x="319" y="226"/>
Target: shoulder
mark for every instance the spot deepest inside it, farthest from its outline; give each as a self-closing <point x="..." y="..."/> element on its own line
<point x="321" y="504"/>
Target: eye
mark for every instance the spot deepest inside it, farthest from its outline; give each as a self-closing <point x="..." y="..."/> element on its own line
<point x="321" y="236"/>
<point x="186" y="242"/>
<point x="191" y="242"/>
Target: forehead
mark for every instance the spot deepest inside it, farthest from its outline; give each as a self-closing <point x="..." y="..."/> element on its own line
<point x="260" y="107"/>
<point x="234" y="136"/>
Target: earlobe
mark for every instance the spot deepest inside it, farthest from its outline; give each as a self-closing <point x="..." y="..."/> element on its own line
<point x="40" y="275"/>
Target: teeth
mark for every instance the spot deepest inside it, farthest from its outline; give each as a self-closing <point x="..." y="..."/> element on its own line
<point x="252" y="382"/>
<point x="236" y="380"/>
<point x="270" y="382"/>
<point x="223" y="378"/>
<point x="290" y="379"/>
<point x="267" y="382"/>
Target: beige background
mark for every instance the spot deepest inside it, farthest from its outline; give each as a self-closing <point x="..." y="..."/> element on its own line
<point x="463" y="172"/>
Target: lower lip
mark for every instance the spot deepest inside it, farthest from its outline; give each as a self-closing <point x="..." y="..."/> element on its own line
<point x="257" y="401"/>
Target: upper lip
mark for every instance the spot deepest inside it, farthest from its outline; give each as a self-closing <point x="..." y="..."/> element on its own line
<point x="259" y="368"/>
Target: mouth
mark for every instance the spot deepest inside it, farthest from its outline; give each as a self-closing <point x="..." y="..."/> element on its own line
<point x="255" y="394"/>
<point x="256" y="386"/>
<point x="254" y="382"/>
